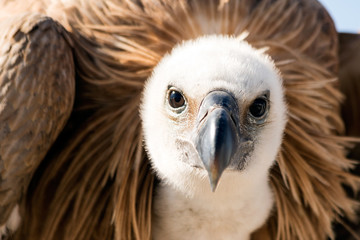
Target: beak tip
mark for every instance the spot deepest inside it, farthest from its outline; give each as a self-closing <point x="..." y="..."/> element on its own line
<point x="214" y="180"/>
<point x="213" y="187"/>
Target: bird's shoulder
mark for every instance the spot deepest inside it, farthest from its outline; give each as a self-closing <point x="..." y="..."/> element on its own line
<point x="36" y="97"/>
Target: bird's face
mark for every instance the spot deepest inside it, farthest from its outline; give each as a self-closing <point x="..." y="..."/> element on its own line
<point x="213" y="106"/>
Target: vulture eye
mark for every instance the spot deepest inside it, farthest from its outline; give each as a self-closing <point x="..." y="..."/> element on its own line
<point x="258" y="108"/>
<point x="176" y="99"/>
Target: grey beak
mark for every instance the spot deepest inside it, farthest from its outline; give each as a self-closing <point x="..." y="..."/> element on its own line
<point x="217" y="137"/>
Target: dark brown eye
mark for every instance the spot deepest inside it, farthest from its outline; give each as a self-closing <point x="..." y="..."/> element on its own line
<point x="176" y="99"/>
<point x="258" y="108"/>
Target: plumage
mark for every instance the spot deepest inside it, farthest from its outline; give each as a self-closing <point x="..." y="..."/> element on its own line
<point x="349" y="75"/>
<point x="349" y="79"/>
<point x="36" y="99"/>
<point x="96" y="182"/>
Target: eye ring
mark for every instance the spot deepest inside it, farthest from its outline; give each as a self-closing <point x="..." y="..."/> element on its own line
<point x="259" y="108"/>
<point x="176" y="100"/>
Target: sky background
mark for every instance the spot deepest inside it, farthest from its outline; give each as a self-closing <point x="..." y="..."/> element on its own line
<point x="346" y="14"/>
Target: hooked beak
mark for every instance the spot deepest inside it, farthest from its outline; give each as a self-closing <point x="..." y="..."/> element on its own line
<point x="218" y="136"/>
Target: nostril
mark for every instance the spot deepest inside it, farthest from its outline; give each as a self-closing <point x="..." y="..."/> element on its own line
<point x="233" y="119"/>
<point x="205" y="115"/>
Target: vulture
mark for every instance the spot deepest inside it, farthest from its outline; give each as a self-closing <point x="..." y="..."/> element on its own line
<point x="177" y="119"/>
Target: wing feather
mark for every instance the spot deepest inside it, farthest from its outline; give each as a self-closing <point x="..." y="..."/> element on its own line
<point x="349" y="75"/>
<point x="37" y="88"/>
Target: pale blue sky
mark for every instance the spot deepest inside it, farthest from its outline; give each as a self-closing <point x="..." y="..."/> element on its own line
<point x="346" y="14"/>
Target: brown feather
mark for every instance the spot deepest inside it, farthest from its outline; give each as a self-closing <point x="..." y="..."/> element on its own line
<point x="349" y="80"/>
<point x="96" y="182"/>
<point x="349" y="75"/>
<point x="37" y="93"/>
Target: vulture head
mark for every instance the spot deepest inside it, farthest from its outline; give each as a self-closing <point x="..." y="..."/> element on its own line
<point x="213" y="109"/>
<point x="213" y="106"/>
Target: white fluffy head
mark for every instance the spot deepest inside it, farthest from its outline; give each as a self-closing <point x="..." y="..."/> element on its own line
<point x="196" y="68"/>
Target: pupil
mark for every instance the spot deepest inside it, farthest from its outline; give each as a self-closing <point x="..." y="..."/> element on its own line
<point x="257" y="109"/>
<point x="176" y="100"/>
<point x="177" y="97"/>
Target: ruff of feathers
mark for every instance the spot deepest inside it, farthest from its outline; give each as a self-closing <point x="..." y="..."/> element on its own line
<point x="96" y="182"/>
